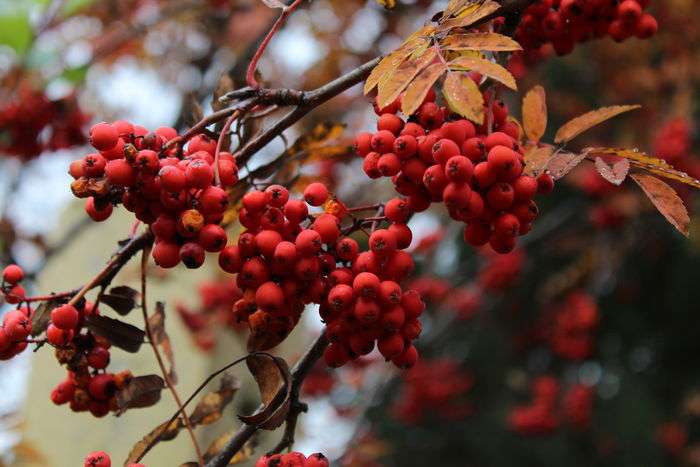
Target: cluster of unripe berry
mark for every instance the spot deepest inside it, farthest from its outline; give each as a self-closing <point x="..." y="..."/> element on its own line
<point x="288" y="258"/>
<point x="101" y="459"/>
<point x="436" y="156"/>
<point x="179" y="192"/>
<point x="33" y="123"/>
<point x="434" y="388"/>
<point x="293" y="459"/>
<point x="549" y="408"/>
<point x="573" y="323"/>
<point x="214" y="309"/>
<point x="563" y="23"/>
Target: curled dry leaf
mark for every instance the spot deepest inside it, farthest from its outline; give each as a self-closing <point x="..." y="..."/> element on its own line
<point x="562" y="163"/>
<point x="120" y="334"/>
<point x="489" y="41"/>
<point x="156" y="323"/>
<point x="419" y="88"/>
<point x="616" y="173"/>
<point x="666" y="201"/>
<point x="536" y="159"/>
<point x="162" y="432"/>
<point x="651" y="164"/>
<point x="243" y="454"/>
<point x="535" y="113"/>
<point x="142" y="391"/>
<point x="463" y="96"/>
<point x="582" y="123"/>
<point x="486" y="68"/>
<point x="273" y="379"/>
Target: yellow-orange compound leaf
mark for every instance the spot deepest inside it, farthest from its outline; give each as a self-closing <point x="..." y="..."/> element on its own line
<point x="463" y="96"/>
<point x="585" y="122"/>
<point x="666" y="201"/>
<point x="419" y="88"/>
<point x="615" y="173"/>
<point x="391" y="87"/>
<point x="649" y="163"/>
<point x="489" y="41"/>
<point x="535" y="113"/>
<point x="469" y="15"/>
<point x="485" y="67"/>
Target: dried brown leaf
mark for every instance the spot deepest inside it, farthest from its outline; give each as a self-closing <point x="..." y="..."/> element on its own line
<point x="489" y="41"/>
<point x="388" y="64"/>
<point x="210" y="408"/>
<point x="273" y="378"/>
<point x="142" y="391"/>
<point x="616" y="173"/>
<point x="419" y="88"/>
<point x="485" y="67"/>
<point x="666" y="201"/>
<point x="562" y="163"/>
<point x="156" y="322"/>
<point x="120" y="334"/>
<point x="243" y="454"/>
<point x="535" y="113"/>
<point x="536" y="159"/>
<point x="582" y="123"/>
<point x="160" y="433"/>
<point x="463" y="96"/>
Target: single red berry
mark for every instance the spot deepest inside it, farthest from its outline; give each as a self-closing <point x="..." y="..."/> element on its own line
<point x="166" y="254"/>
<point x="230" y="259"/>
<point x="382" y="242"/>
<point x="192" y="255"/>
<point x="390" y="122"/>
<point x="407" y="359"/>
<point x="366" y="284"/>
<point x="212" y="238"/>
<point x="103" y="136"/>
<point x="383" y="141"/>
<point x="57" y="336"/>
<point x="98" y="214"/>
<point x="94" y="165"/>
<point x="277" y="195"/>
<point x="316" y="194"/>
<point x="391" y="346"/>
<point x="545" y="184"/>
<point x="65" y="317"/>
<point x="98" y="358"/>
<point x="12" y="274"/>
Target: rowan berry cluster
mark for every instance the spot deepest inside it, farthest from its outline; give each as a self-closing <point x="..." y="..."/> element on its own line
<point x="549" y="408"/>
<point x="563" y="23"/>
<point x="436" y="388"/>
<point x="16" y="324"/>
<point x="101" y="459"/>
<point x="573" y="323"/>
<point x="216" y="297"/>
<point x="436" y="156"/>
<point x="293" y="459"/>
<point x="179" y="193"/>
<point x="34" y="123"/>
<point x="288" y="258"/>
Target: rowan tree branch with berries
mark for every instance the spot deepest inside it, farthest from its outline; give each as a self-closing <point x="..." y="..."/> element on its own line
<point x="292" y="243"/>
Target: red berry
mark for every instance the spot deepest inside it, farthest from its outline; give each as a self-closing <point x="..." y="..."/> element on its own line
<point x="212" y="238"/>
<point x="97" y="459"/>
<point x="65" y="317"/>
<point x="230" y="259"/>
<point x="545" y="184"/>
<point x="443" y="150"/>
<point x="391" y="346"/>
<point x="366" y="284"/>
<point x="12" y="274"/>
<point x="98" y="215"/>
<point x="500" y="196"/>
<point x="390" y="122"/>
<point x="316" y="194"/>
<point x="407" y="359"/>
<point x="383" y="141"/>
<point x="382" y="242"/>
<point x="98" y="358"/>
<point x="277" y="195"/>
<point x="103" y="136"/>
<point x="119" y="172"/>
<point x="166" y="254"/>
<point x="57" y="336"/>
<point x="199" y="174"/>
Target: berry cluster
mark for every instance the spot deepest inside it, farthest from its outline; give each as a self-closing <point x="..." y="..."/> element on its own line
<point x="179" y="193"/>
<point x="434" y="388"/>
<point x="88" y="386"/>
<point x="16" y="324"/>
<point x="216" y="297"/>
<point x="34" y="123"/>
<point x="546" y="412"/>
<point x="573" y="323"/>
<point x="293" y="459"/>
<point x="101" y="459"/>
<point x="438" y="157"/>
<point x="563" y="23"/>
<point x="288" y="258"/>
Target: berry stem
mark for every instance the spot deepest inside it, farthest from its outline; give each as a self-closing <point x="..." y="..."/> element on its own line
<point x="159" y="358"/>
<point x="250" y="74"/>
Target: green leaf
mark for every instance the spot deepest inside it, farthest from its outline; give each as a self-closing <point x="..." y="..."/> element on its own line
<point x="75" y="75"/>
<point x="15" y="31"/>
<point x="72" y="7"/>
